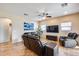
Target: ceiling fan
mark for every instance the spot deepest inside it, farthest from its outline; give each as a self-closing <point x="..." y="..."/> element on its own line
<point x="43" y="14"/>
<point x="64" y="4"/>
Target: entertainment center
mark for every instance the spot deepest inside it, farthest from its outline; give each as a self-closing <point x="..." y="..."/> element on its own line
<point x="52" y="29"/>
<point x="51" y="37"/>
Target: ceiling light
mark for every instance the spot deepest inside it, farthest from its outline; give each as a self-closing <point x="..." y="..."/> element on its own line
<point x="66" y="12"/>
<point x="44" y="18"/>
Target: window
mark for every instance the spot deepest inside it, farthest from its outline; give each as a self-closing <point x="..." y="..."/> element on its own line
<point x="43" y="27"/>
<point x="66" y="26"/>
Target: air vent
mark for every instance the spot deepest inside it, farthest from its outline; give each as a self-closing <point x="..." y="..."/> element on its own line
<point x="25" y="14"/>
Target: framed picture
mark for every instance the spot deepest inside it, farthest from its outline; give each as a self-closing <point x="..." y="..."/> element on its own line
<point x="28" y="26"/>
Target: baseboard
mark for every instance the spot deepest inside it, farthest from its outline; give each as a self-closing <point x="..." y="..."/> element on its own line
<point x="17" y="42"/>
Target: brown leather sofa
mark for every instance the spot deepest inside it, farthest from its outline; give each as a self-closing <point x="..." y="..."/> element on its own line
<point x="25" y="40"/>
<point x="34" y="44"/>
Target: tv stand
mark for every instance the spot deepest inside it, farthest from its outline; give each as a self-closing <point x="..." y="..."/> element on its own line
<point x="51" y="37"/>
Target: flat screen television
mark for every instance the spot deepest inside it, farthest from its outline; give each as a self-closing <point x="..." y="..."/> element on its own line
<point x="53" y="28"/>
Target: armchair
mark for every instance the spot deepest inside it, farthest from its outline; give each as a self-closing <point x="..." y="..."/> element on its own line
<point x="69" y="41"/>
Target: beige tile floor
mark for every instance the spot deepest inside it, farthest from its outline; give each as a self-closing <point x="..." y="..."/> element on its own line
<point x="68" y="51"/>
<point x="18" y="49"/>
<point x="8" y="49"/>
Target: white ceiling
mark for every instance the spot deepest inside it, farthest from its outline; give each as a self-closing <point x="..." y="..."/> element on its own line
<point x="11" y="10"/>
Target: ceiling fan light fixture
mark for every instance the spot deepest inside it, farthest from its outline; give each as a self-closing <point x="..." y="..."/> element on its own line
<point x="64" y="4"/>
<point x="44" y="18"/>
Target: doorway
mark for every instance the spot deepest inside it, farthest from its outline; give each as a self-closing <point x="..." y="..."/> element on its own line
<point x="5" y="30"/>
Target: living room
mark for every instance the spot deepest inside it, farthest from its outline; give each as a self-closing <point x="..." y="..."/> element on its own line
<point x="72" y="20"/>
<point x="44" y="29"/>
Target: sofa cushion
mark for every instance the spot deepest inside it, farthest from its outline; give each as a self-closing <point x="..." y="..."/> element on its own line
<point x="70" y="43"/>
